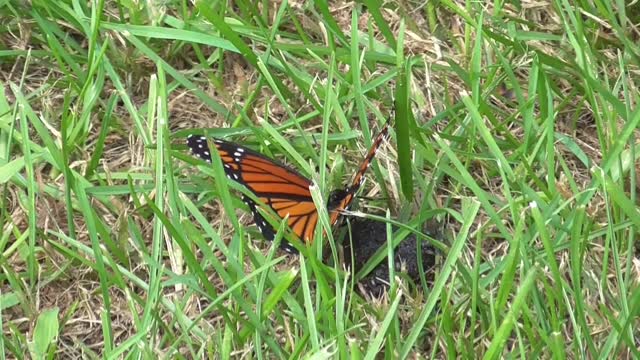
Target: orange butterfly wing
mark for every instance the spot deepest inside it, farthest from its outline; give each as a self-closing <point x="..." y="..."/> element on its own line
<point x="283" y="189"/>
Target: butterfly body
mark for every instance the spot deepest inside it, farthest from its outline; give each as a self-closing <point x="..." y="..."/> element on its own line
<point x="280" y="187"/>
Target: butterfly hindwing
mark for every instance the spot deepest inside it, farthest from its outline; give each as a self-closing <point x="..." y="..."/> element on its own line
<point x="265" y="228"/>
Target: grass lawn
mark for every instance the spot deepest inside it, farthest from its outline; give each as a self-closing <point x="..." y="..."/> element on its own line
<point x="514" y="129"/>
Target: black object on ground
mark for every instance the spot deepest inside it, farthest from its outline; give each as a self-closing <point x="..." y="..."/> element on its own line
<point x="367" y="236"/>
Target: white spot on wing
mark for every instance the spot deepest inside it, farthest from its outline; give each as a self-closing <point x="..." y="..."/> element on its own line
<point x="241" y="150"/>
<point x="237" y="154"/>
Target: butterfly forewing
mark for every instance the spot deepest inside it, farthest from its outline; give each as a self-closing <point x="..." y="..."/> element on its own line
<point x="281" y="188"/>
<point x="276" y="185"/>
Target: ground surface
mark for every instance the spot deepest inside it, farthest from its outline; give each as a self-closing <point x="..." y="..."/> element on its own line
<point x="521" y="144"/>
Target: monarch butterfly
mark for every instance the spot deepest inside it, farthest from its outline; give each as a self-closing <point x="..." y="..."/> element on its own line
<point x="284" y="189"/>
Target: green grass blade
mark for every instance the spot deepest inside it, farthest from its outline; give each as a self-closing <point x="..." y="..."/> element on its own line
<point x="470" y="212"/>
<point x="498" y="342"/>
